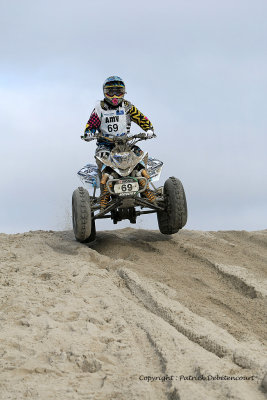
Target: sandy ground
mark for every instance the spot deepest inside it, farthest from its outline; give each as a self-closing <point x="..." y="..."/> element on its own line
<point x="98" y="322"/>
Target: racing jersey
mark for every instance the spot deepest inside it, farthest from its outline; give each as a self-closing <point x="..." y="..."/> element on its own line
<point x="115" y="121"/>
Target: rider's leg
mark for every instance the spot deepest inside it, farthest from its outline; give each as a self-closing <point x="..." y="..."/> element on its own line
<point x="148" y="193"/>
<point x="104" y="193"/>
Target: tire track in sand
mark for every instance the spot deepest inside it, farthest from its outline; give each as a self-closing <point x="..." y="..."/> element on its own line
<point x="73" y="328"/>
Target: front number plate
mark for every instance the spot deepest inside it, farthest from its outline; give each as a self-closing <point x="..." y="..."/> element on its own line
<point x="126" y="188"/>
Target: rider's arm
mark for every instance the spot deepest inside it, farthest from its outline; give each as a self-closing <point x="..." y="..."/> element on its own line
<point x="92" y="125"/>
<point x="140" y="119"/>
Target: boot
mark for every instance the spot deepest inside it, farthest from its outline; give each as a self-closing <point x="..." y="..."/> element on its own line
<point x="104" y="197"/>
<point x="148" y="193"/>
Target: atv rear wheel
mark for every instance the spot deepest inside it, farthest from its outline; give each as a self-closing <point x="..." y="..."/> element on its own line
<point x="174" y="216"/>
<point x="83" y="224"/>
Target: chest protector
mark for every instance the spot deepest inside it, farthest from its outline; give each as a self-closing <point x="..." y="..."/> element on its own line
<point x="113" y="122"/>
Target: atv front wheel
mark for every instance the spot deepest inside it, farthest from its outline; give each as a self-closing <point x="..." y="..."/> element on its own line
<point x="174" y="216"/>
<point x="83" y="224"/>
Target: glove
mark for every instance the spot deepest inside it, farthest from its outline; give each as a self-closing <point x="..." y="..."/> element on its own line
<point x="150" y="134"/>
<point x="88" y="136"/>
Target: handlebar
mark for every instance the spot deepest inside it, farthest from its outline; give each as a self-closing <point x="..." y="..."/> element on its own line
<point x="124" y="138"/>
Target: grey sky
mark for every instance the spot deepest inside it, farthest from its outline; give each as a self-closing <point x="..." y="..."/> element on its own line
<point x="196" y="68"/>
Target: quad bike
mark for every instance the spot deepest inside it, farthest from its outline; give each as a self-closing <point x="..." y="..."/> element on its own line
<point x="124" y="179"/>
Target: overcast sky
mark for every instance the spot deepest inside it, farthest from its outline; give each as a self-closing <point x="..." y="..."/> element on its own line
<point x="196" y="68"/>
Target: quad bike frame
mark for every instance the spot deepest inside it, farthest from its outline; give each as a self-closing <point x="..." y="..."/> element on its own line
<point x="169" y="205"/>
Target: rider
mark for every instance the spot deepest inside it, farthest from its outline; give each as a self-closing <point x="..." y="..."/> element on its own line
<point x="112" y="117"/>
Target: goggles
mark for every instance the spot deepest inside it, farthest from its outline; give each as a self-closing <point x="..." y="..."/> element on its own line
<point x="112" y="91"/>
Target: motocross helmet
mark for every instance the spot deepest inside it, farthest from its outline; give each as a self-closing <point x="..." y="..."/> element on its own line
<point x="114" y="90"/>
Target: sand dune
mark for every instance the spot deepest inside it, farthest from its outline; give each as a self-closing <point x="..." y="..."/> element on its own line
<point x="97" y="322"/>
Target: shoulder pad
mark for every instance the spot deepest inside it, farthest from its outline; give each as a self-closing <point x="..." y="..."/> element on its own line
<point x="127" y="104"/>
